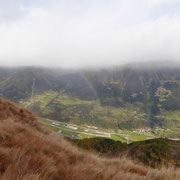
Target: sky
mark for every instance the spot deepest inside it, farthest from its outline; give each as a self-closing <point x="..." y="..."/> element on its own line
<point x="88" y="33"/>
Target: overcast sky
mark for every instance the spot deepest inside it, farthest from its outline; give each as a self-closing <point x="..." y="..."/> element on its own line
<point x="78" y="33"/>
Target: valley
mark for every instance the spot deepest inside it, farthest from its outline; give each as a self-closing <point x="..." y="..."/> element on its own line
<point x="73" y="131"/>
<point x="126" y="99"/>
<point x="60" y="106"/>
<point x="82" y="114"/>
<point x="89" y="90"/>
<point x="81" y="132"/>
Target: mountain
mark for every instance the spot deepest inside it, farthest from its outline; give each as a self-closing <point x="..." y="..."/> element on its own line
<point x="28" y="150"/>
<point x="133" y="96"/>
<point x="155" y="87"/>
<point x="18" y="85"/>
<point x="6" y="72"/>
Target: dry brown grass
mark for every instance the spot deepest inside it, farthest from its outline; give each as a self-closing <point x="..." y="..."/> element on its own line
<point x="29" y="151"/>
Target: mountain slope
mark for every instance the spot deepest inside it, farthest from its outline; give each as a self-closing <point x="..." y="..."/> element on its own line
<point x="30" y="151"/>
<point x="65" y="108"/>
<point x="151" y="90"/>
<point x="18" y="85"/>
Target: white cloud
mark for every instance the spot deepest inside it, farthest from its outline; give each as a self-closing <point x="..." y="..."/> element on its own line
<point x="157" y="2"/>
<point x="54" y="37"/>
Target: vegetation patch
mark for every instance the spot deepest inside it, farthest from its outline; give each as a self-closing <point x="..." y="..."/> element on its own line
<point x="151" y="152"/>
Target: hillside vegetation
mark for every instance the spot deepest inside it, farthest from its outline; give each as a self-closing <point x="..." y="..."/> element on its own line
<point x="128" y="97"/>
<point x="153" y="152"/>
<point x="29" y="151"/>
<point x="60" y="106"/>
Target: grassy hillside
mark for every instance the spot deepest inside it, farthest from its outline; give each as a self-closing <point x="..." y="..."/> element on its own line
<point x="28" y="150"/>
<point x="153" y="152"/>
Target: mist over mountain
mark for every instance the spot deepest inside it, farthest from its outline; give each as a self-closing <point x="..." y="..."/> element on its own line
<point x="88" y="33"/>
<point x="125" y="97"/>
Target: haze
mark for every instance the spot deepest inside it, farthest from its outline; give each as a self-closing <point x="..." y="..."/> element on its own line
<point x="88" y="33"/>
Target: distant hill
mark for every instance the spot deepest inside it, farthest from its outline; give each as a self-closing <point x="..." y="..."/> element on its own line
<point x="28" y="150"/>
<point x="101" y="97"/>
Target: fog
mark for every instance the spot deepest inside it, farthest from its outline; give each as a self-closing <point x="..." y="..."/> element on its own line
<point x="88" y="33"/>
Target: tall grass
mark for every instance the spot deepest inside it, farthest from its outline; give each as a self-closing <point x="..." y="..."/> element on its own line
<point x="29" y="151"/>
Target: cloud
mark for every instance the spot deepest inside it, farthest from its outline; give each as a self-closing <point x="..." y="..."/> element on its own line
<point x="157" y="2"/>
<point x="73" y="35"/>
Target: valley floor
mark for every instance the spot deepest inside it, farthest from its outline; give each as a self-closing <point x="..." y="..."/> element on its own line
<point x="127" y="124"/>
<point x="81" y="132"/>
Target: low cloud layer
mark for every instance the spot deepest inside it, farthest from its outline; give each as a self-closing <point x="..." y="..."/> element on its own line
<point x="88" y="33"/>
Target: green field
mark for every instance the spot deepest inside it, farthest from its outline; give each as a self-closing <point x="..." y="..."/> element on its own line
<point x="171" y="115"/>
<point x="118" y="138"/>
<point x="83" y="132"/>
<point x="59" y="106"/>
<point x="124" y="123"/>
